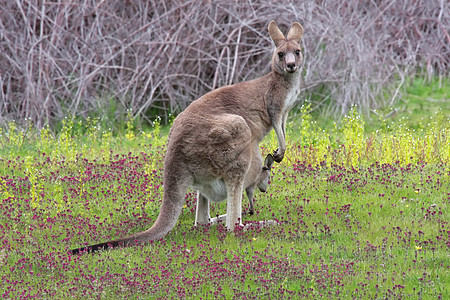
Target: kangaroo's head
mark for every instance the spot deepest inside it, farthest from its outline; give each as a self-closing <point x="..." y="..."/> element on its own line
<point x="287" y="58"/>
<point x="264" y="176"/>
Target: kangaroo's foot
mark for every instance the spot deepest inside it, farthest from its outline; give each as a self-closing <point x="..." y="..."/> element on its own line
<point x="261" y="224"/>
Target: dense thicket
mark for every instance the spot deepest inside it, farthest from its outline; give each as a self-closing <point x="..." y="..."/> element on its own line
<point x="89" y="57"/>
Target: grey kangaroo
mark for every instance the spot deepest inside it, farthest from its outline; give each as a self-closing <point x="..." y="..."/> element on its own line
<point x="214" y="140"/>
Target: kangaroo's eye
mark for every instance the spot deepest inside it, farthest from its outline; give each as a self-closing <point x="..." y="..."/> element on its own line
<point x="280" y="55"/>
<point x="297" y="52"/>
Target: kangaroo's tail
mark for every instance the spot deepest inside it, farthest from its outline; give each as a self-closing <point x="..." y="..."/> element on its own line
<point x="170" y="211"/>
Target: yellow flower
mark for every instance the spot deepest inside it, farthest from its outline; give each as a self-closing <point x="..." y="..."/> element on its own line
<point x="418" y="248"/>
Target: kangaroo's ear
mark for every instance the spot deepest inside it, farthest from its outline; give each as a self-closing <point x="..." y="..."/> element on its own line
<point x="296" y="32"/>
<point x="268" y="162"/>
<point x="275" y="33"/>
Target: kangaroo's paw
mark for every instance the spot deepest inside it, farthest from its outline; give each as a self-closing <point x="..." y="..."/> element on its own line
<point x="278" y="155"/>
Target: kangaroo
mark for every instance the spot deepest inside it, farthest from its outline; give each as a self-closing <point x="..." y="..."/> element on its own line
<point x="256" y="177"/>
<point x="213" y="141"/>
<point x="261" y="182"/>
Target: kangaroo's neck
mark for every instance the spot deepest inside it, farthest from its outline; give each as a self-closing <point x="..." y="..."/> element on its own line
<point x="281" y="85"/>
<point x="282" y="92"/>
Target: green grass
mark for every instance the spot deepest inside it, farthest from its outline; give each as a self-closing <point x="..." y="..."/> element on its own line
<point x="420" y="99"/>
<point x="364" y="214"/>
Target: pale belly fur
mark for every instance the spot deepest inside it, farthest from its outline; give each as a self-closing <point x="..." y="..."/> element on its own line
<point x="215" y="191"/>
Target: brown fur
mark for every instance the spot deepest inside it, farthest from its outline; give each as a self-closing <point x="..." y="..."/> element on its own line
<point x="215" y="138"/>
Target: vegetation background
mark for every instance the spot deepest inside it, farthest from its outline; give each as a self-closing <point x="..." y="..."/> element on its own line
<point x="91" y="58"/>
<point x="362" y="195"/>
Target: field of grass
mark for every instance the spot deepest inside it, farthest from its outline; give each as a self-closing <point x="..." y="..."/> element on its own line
<point x="364" y="213"/>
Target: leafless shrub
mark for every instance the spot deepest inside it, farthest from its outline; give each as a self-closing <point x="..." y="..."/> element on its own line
<point x="80" y="57"/>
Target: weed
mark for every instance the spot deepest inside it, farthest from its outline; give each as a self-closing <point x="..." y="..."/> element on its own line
<point x="130" y="126"/>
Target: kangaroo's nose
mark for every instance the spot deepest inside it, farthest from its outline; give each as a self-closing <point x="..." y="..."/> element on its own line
<point x="290" y="67"/>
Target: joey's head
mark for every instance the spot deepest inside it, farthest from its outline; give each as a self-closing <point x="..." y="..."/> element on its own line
<point x="264" y="176"/>
<point x="287" y="57"/>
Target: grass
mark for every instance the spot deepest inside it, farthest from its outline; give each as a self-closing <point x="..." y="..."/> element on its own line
<point x="364" y="213"/>
<point x="421" y="99"/>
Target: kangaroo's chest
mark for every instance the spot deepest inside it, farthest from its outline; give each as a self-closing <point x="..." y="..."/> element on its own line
<point x="292" y="94"/>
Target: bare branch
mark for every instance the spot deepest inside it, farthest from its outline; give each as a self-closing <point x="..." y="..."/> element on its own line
<point x="73" y="58"/>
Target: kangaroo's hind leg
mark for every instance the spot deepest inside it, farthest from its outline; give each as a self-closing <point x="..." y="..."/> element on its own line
<point x="202" y="214"/>
<point x="234" y="203"/>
